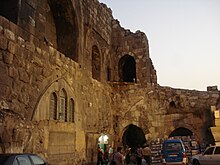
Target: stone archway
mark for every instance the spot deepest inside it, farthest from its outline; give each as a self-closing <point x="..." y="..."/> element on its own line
<point x="133" y="136"/>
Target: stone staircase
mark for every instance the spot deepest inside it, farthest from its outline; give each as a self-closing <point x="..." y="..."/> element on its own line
<point x="216" y="129"/>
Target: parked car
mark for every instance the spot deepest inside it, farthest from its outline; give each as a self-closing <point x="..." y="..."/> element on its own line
<point x="21" y="159"/>
<point x="173" y="152"/>
<point x="211" y="156"/>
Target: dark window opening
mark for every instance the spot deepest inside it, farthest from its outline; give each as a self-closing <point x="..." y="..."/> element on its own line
<point x="63" y="106"/>
<point x="53" y="106"/>
<point x="9" y="10"/>
<point x="66" y="27"/>
<point x="133" y="137"/>
<point x="96" y="63"/>
<point x="127" y="69"/>
<point x="108" y="74"/>
<point x="172" y="104"/>
<point x="71" y="110"/>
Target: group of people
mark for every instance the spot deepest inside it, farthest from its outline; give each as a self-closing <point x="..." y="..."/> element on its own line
<point x="139" y="156"/>
<point x="131" y="156"/>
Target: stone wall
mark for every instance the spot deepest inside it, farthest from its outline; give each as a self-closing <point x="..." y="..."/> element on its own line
<point x="33" y="68"/>
<point x="159" y="111"/>
<point x="82" y="57"/>
<point x="124" y="42"/>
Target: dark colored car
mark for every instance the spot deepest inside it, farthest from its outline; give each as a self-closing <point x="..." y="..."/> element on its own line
<point x="21" y="159"/>
<point x="173" y="152"/>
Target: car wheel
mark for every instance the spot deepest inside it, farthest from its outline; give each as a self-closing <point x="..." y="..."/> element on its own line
<point x="196" y="162"/>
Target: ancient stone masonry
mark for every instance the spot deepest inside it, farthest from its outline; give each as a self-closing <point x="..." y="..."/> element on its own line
<point x="70" y="73"/>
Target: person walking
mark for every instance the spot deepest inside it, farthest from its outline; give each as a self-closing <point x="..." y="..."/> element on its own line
<point x="119" y="157"/>
<point x="146" y="152"/>
<point x="100" y="156"/>
<point x="110" y="152"/>
<point x="139" y="155"/>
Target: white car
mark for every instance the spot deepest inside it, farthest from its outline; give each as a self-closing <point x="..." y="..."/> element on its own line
<point x="211" y="156"/>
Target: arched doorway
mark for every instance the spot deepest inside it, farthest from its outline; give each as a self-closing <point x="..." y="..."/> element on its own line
<point x="133" y="137"/>
<point x="191" y="144"/>
<point x="127" y="69"/>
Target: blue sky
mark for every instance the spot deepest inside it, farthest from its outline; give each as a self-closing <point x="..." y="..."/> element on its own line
<point x="184" y="38"/>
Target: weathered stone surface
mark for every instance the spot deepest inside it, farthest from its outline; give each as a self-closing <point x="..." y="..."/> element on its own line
<point x="11" y="47"/>
<point x="39" y="76"/>
<point x="3" y="43"/>
<point x="9" y="34"/>
<point x="8" y="57"/>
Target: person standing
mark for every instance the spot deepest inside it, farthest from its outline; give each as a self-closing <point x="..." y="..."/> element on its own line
<point x="139" y="155"/>
<point x="119" y="157"/>
<point x="110" y="152"/>
<point x="146" y="152"/>
<point x="100" y="156"/>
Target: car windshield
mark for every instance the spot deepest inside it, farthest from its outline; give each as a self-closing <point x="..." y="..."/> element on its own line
<point x="174" y="146"/>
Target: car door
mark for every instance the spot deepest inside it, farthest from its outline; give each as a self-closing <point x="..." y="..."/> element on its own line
<point x="216" y="156"/>
<point x="207" y="157"/>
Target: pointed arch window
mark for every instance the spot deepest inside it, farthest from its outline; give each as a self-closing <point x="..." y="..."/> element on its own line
<point x="71" y="110"/>
<point x="63" y="106"/>
<point x="53" y="106"/>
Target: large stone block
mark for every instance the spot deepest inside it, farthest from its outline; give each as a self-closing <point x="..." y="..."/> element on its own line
<point x="9" y="34"/>
<point x="3" y="43"/>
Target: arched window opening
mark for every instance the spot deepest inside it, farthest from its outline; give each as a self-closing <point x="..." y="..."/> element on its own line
<point x="127" y="69"/>
<point x="9" y="10"/>
<point x="53" y="106"/>
<point x="63" y="106"/>
<point x="96" y="63"/>
<point x="133" y="137"/>
<point x="71" y="110"/>
<point x="172" y="104"/>
<point x="66" y="27"/>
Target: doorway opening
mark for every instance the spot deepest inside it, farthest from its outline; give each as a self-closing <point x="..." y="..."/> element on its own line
<point x="133" y="137"/>
<point x="127" y="69"/>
